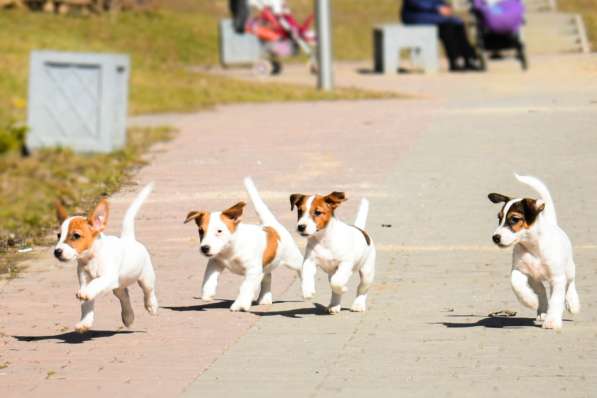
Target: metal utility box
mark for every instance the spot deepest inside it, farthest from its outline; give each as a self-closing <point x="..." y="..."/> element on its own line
<point x="236" y="48"/>
<point x="78" y="100"/>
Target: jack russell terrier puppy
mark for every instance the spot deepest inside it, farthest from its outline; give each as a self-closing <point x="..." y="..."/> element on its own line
<point x="542" y="253"/>
<point x="253" y="251"/>
<point x="337" y="248"/>
<point x="106" y="262"/>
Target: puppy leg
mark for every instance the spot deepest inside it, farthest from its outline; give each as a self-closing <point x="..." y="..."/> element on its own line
<point x="87" y="316"/>
<point x="265" y="294"/>
<point x="539" y="290"/>
<point x="523" y="291"/>
<point x="210" y="280"/>
<point x="553" y="320"/>
<point x="308" y="281"/>
<point x="572" y="300"/>
<point x="96" y="287"/>
<point x="147" y="283"/>
<point x="335" y="301"/>
<point x="366" y="273"/>
<point x="128" y="316"/>
<point x="247" y="290"/>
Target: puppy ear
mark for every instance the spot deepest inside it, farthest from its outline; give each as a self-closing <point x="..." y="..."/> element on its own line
<point x="334" y="199"/>
<point x="498" y="198"/>
<point x="194" y="215"/>
<point x="296" y="199"/>
<point x="235" y="211"/>
<point x="532" y="209"/>
<point x="61" y="213"/>
<point x="98" y="217"/>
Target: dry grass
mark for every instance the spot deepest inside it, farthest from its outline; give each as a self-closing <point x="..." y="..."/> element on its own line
<point x="588" y="10"/>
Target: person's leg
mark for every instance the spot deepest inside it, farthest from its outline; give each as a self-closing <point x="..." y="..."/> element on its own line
<point x="450" y="43"/>
<point x="465" y="49"/>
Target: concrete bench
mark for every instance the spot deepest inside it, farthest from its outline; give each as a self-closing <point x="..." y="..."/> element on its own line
<point x="390" y="39"/>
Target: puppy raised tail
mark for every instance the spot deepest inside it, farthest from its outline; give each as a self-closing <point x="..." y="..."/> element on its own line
<point x="264" y="213"/>
<point x="541" y="189"/>
<point x="361" y="219"/>
<point x="128" y="224"/>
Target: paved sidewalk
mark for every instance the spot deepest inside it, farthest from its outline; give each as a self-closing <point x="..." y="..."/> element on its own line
<point x="426" y="165"/>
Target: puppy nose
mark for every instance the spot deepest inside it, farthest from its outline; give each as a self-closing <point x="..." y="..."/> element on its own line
<point x="205" y="249"/>
<point x="58" y="253"/>
<point x="301" y="227"/>
<point x="496" y="238"/>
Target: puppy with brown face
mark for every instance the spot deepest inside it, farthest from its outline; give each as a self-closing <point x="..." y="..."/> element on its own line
<point x="106" y="262"/>
<point x="337" y="248"/>
<point x="252" y="251"/>
<point x="542" y="253"/>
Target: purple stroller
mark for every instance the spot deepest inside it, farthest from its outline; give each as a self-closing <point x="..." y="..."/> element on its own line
<point x="498" y="28"/>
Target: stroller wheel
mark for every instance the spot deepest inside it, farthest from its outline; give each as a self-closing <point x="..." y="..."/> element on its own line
<point x="276" y="67"/>
<point x="262" y="68"/>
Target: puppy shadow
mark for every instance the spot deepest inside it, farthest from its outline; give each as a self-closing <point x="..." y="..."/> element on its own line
<point x="372" y="71"/>
<point x="222" y="304"/>
<point x="316" y="309"/>
<point x="74" y="337"/>
<point x="497" y="322"/>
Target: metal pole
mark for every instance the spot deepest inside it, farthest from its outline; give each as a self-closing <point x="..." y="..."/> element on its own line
<point x="325" y="78"/>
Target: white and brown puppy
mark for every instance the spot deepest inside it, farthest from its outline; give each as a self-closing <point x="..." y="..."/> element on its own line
<point x="106" y="262"/>
<point x="542" y="253"/>
<point x="253" y="251"/>
<point x="336" y="247"/>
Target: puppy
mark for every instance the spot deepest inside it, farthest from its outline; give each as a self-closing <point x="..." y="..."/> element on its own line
<point x="542" y="253"/>
<point x="337" y="248"/>
<point x="253" y="251"/>
<point x="106" y="262"/>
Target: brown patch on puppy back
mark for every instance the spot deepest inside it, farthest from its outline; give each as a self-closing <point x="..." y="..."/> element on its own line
<point x="80" y="234"/>
<point x="271" y="245"/>
<point x="365" y="235"/>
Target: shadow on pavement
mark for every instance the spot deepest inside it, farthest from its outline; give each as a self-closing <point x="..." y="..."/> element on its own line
<point x="202" y="307"/>
<point x="493" y="322"/>
<point x="74" y="337"/>
<point x="317" y="309"/>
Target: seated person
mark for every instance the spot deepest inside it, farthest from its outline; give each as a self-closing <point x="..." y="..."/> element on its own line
<point x="461" y="55"/>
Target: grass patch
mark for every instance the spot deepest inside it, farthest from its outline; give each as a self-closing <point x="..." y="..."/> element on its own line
<point x="588" y="10"/>
<point x="164" y="46"/>
<point x="30" y="186"/>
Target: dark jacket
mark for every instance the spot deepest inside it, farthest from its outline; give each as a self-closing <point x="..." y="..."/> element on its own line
<point x="425" y="12"/>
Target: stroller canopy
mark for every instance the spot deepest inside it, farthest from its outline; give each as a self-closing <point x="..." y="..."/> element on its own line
<point x="501" y="16"/>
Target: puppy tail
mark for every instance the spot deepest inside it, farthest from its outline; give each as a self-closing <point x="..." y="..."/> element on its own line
<point x="128" y="224"/>
<point x="361" y="219"/>
<point x="541" y="189"/>
<point x="264" y="213"/>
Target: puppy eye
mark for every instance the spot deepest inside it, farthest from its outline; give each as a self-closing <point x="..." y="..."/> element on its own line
<point x="76" y="236"/>
<point x="200" y="230"/>
<point x="219" y="231"/>
<point x="58" y="235"/>
<point x="515" y="220"/>
<point x="317" y="213"/>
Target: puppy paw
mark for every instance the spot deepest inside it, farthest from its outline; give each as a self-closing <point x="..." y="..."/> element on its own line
<point x="239" y="306"/>
<point x="308" y="293"/>
<point x="152" y="306"/>
<point x="82" y="327"/>
<point x="552" y="322"/>
<point x="541" y="317"/>
<point x="358" y="306"/>
<point x="207" y="297"/>
<point x="128" y="317"/>
<point x="267" y="299"/>
<point x="83" y="295"/>
<point x="332" y="310"/>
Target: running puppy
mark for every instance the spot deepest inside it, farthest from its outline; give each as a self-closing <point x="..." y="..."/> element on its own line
<point x="542" y="253"/>
<point x="106" y="262"/>
<point x="253" y="251"/>
<point x="337" y="248"/>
